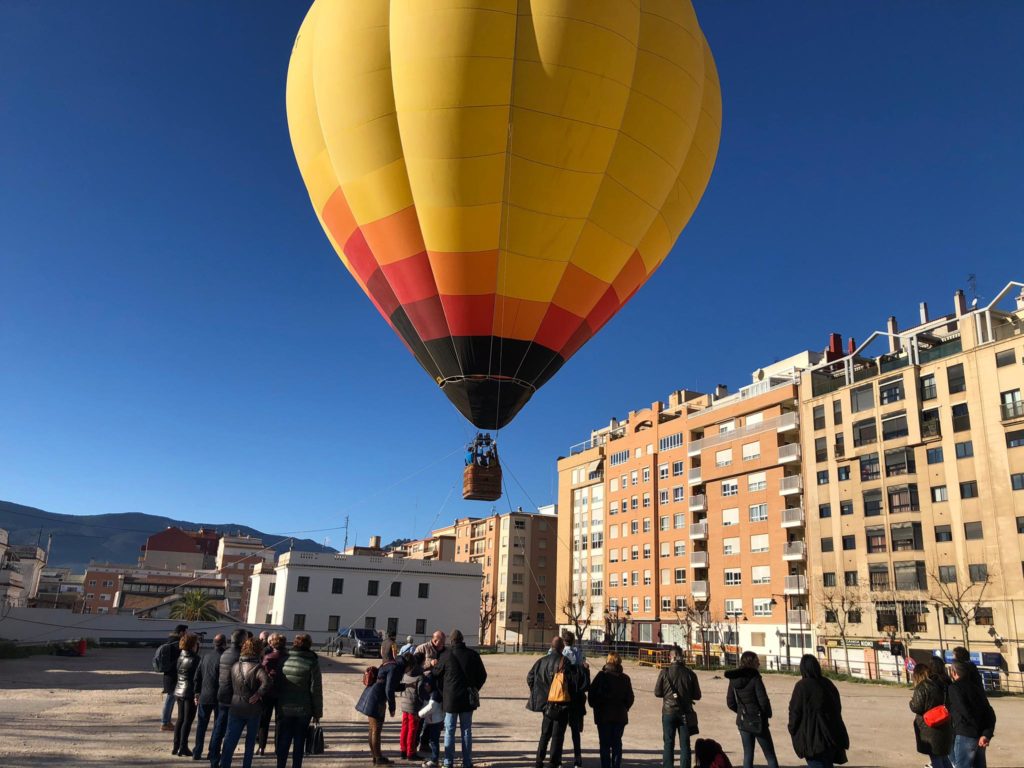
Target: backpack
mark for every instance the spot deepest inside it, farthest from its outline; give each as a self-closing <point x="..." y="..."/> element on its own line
<point x="709" y="754"/>
<point x="369" y="676"/>
<point x="157" y="663"/>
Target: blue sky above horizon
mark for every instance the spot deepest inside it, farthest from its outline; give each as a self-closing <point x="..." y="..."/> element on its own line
<point x="180" y="339"/>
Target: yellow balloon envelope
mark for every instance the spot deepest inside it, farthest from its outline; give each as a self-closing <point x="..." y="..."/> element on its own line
<point x="501" y="176"/>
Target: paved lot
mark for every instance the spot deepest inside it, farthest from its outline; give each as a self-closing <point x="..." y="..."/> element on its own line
<point x="103" y="710"/>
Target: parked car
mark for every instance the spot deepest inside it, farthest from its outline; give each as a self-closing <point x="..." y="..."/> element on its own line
<point x="358" y="642"/>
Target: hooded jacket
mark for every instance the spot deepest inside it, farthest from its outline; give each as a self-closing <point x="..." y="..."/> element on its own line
<point x="678" y="687"/>
<point x="930" y="741"/>
<point x="611" y="696"/>
<point x="816" y="719"/>
<point x="458" y="669"/>
<point x="748" y="698"/>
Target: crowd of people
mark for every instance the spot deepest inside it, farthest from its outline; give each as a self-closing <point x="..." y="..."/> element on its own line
<point x="247" y="685"/>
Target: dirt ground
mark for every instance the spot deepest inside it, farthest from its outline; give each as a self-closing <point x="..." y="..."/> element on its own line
<point x="103" y="710"/>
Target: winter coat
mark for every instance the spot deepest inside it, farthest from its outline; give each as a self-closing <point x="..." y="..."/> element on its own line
<point x="930" y="741"/>
<point x="167" y="658"/>
<point x="970" y="711"/>
<point x="207" y="678"/>
<point x="185" y="682"/>
<point x="678" y="687"/>
<point x="543" y="672"/>
<point x="376" y="699"/>
<point x="248" y="677"/>
<point x="611" y="696"/>
<point x="748" y="699"/>
<point x="227" y="661"/>
<point x="272" y="661"/>
<point x="458" y="669"/>
<point x="411" y="701"/>
<point x="816" y="720"/>
<point x="300" y="688"/>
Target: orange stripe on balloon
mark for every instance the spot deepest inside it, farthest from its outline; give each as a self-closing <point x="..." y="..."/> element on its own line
<point x="472" y="273"/>
<point x="517" y="318"/>
<point x="578" y="291"/>
<point x="338" y="217"/>
<point x="395" y="237"/>
<point x="630" y="278"/>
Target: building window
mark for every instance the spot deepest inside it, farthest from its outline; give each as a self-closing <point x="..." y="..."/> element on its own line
<point x="850" y="578"/>
<point x="935" y="455"/>
<point x="818" y="415"/>
<point x="677" y="493"/>
<point x="396" y="589"/>
<point x="1017" y="481"/>
<point x="961" y="417"/>
<point x="928" y="391"/>
<point x="758" y="512"/>
<point x="647" y="501"/>
<point x="663" y="523"/>
<point x="823" y="477"/>
<point x="939" y="493"/>
<point x="1015" y="439"/>
<point x="903" y="498"/>
<point x="337" y="586"/>
<point x="943" y="533"/>
<point x="372" y="587"/>
<point x="899" y="461"/>
<point x="890" y="391"/>
<point x="826" y="544"/>
<point x="843" y="472"/>
<point x="947" y="574"/>
<point x="679" y="549"/>
<point x="849" y="542"/>
<point x="894" y="425"/>
<point x="679" y="520"/>
<point x="824" y="510"/>
<point x="271" y="588"/>
<point x="370" y="622"/>
<point x="950" y="617"/>
<point x="680" y="575"/>
<point x="906" y="537"/>
<point x="731" y="546"/>
<point x="846" y="507"/>
<point x="671" y="441"/>
<point x="303" y="584"/>
<point x="965" y="449"/>
<point x="647" y="525"/>
<point x="730" y="517"/>
<point x="730" y="487"/>
<point x="973" y="531"/>
<point x="733" y="577"/>
<point x="1005" y="357"/>
<point x="828" y="579"/>
<point x="752" y="451"/>
<point x="983" y="616"/>
<point x="955" y="379"/>
<point x="299" y="622"/>
<point x="663" y="471"/>
<point x="869" y="468"/>
<point x="332" y="623"/>
<point x="876" y="539"/>
<point x="978" y="572"/>
<point x="678" y="467"/>
<point x="878" y="578"/>
<point x="647" y="551"/>
<point x="862" y="398"/>
<point x="757" y="481"/>
<point x="663" y="496"/>
<point x="761" y="574"/>
<point x="969" y="489"/>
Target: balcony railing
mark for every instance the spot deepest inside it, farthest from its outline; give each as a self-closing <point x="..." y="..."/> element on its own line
<point x="698" y="531"/>
<point x="794" y="550"/>
<point x="791" y="484"/>
<point x="699" y="589"/>
<point x="699" y="559"/>
<point x="1013" y="410"/>
<point x="930" y="429"/>
<point x="698" y="503"/>
<point x="793" y="517"/>
<point x="799" y="617"/>
<point x="788" y="421"/>
<point x="781" y="423"/>
<point x="796" y="585"/>
<point x="789" y="452"/>
<point x="693" y="476"/>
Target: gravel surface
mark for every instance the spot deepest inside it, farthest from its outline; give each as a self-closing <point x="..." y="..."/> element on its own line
<point x="103" y="710"/>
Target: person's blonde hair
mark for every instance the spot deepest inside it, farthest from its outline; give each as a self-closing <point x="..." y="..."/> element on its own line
<point x="922" y="672"/>
<point x="251" y="647"/>
<point x="614" y="659"/>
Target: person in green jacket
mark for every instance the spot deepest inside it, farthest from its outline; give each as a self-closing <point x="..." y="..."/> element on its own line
<point x="300" y="699"/>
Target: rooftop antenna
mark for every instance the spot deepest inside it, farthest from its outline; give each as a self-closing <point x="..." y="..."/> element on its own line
<point x="345" y="526"/>
<point x="972" y="285"/>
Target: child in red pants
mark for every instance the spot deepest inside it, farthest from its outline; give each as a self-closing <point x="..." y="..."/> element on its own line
<point x="411" y="705"/>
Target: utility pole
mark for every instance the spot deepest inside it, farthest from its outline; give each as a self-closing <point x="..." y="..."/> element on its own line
<point x="345" y="526"/>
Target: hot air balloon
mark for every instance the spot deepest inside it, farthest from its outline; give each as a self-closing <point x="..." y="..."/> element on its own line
<point x="501" y="176"/>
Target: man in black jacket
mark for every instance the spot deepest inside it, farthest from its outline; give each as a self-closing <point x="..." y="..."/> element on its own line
<point x="553" y="703"/>
<point x="678" y="688"/>
<point x="224" y="690"/>
<point x="974" y="721"/>
<point x="165" y="661"/>
<point x="207" y="682"/>
<point x="459" y="669"/>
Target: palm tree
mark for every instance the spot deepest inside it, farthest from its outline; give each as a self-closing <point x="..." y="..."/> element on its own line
<point x="193" y="606"/>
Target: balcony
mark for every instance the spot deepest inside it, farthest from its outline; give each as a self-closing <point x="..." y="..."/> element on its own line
<point x="794" y="550"/>
<point x="693" y="476"/>
<point x="795" y="585"/>
<point x="791" y="484"/>
<point x="930" y="429"/>
<point x="699" y="559"/>
<point x="793" y="517"/>
<point x="698" y="503"/>
<point x="699" y="531"/>
<point x="783" y="423"/>
<point x="798" y="617"/>
<point x="788" y="421"/>
<point x="1012" y="410"/>
<point x="699" y="590"/>
<point x="789" y="452"/>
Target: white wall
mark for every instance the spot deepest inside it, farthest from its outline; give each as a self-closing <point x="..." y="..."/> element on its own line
<point x="453" y="602"/>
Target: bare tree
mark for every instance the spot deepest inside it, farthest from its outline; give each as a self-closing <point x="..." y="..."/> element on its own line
<point x="579" y="612"/>
<point x="695" y="615"/>
<point x="837" y="604"/>
<point x="962" y="599"/>
<point x="488" y="610"/>
<point x="684" y="619"/>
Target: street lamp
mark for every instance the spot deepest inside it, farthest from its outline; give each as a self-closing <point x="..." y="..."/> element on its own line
<point x="774" y="603"/>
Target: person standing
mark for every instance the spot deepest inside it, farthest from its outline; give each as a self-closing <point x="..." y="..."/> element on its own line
<point x="165" y="661"/>
<point x="185" y="692"/>
<point x="377" y="698"/>
<point x="273" y="658"/>
<point x="431" y="650"/>
<point x="748" y="698"/>
<point x="816" y="718"/>
<point x="677" y="686"/>
<point x="228" y="659"/>
<point x="207" y="674"/>
<point x="974" y="721"/>
<point x="935" y="741"/>
<point x="962" y="655"/>
<point x="389" y="648"/>
<point x="250" y="683"/>
<point x="300" y="699"/>
<point x="432" y="720"/>
<point x="611" y="697"/>
<point x="552" y="681"/>
<point x="461" y="674"/>
<point x="578" y="706"/>
<point x="411" y="705"/>
<point x="409" y="647"/>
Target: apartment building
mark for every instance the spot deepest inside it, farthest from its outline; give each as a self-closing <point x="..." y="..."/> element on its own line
<point x="686" y="521"/>
<point x="237" y="556"/>
<point x="180" y="550"/>
<point x="914" y="486"/>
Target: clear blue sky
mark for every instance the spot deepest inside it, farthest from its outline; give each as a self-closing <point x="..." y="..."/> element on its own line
<point x="178" y="337"/>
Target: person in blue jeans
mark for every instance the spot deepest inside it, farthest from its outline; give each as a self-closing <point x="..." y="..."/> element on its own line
<point x="207" y="677"/>
<point x="250" y="682"/>
<point x="748" y="698"/>
<point x="678" y="688"/>
<point x="224" y="665"/>
<point x="461" y="674"/>
<point x="974" y="721"/>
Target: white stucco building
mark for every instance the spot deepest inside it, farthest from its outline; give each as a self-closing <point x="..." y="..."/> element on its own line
<point x="320" y="592"/>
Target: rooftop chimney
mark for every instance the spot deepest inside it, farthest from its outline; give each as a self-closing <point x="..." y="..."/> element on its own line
<point x="851" y="345"/>
<point x="922" y="308"/>
<point x="375" y="542"/>
<point x="893" y="329"/>
<point x="960" y="303"/>
<point x="721" y="391"/>
<point x="835" y="346"/>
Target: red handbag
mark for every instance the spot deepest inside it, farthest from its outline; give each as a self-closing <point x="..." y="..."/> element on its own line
<point x="936" y="717"/>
